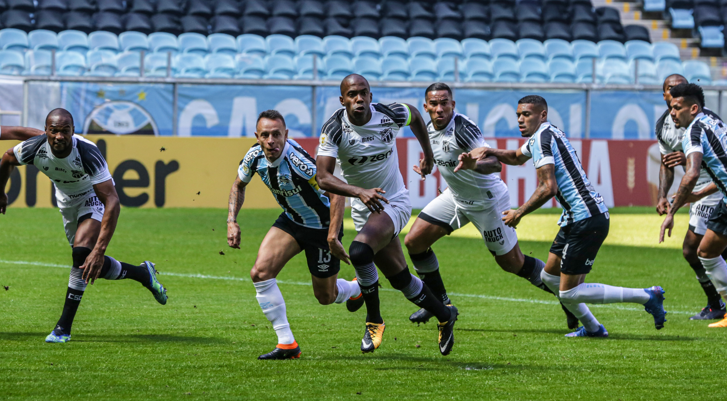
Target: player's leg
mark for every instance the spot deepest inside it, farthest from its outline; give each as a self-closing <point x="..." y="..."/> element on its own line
<point x="711" y="248"/>
<point x="324" y="268"/>
<point x="715" y="308"/>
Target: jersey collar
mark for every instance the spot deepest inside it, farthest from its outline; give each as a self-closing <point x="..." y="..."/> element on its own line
<point x="542" y="128"/>
<point x="279" y="160"/>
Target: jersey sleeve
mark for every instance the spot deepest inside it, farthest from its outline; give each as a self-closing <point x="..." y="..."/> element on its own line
<point x="248" y="165"/>
<point x="693" y="142"/>
<point x="399" y="113"/>
<point x="542" y="153"/>
<point x="302" y="166"/>
<point x="526" y="148"/>
<point x="468" y="135"/>
<point x="93" y="162"/>
<point x="25" y="151"/>
<point x="331" y="135"/>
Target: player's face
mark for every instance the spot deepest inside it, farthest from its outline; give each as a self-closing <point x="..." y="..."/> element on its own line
<point x="670" y="83"/>
<point x="682" y="113"/>
<point x="356" y="98"/>
<point x="59" y="130"/>
<point x="271" y="135"/>
<point x="529" y="118"/>
<point x="440" y="106"/>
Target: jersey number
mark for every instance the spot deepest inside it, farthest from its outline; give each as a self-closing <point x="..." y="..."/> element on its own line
<point x="324" y="256"/>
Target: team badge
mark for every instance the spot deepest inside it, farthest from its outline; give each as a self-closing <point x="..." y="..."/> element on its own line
<point x="352" y="141"/>
<point x="387" y="135"/>
<point x="446" y="146"/>
<point x="323" y="138"/>
<point x="245" y="169"/>
<point x="285" y="179"/>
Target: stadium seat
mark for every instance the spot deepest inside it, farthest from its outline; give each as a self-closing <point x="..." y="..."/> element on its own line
<point x="227" y="7"/>
<point x="49" y="20"/>
<point x="136" y="22"/>
<point x="249" y="66"/>
<point x="74" y="41"/>
<point x="534" y="70"/>
<point x="531" y="30"/>
<point x="70" y="64"/>
<point x="474" y="48"/>
<point x="528" y="12"/>
<point x="255" y="8"/>
<point x="504" y="48"/>
<point x="253" y="25"/>
<point x="609" y="49"/>
<point x="477" y="30"/>
<point x="280" y="45"/>
<point x="646" y="73"/>
<point x="419" y="46"/>
<point x="479" y="70"/>
<point x="447" y="11"/>
<point x="279" y="66"/>
<point x="337" y="67"/>
<point x="636" y="32"/>
<point x="697" y="72"/>
<point x="202" y="8"/>
<point x="304" y="65"/>
<point x="665" y="51"/>
<point x="133" y="41"/>
<point x="611" y="32"/>
<point x="503" y="11"/>
<point x="163" y="42"/>
<point x="223" y="24"/>
<point x="188" y="65"/>
<point x="166" y="23"/>
<point x="363" y="46"/>
<point x="220" y="65"/>
<point x="681" y="19"/>
<point x="338" y="9"/>
<point x="16" y="19"/>
<point x="172" y="7"/>
<point x="145" y="7"/>
<point x="446" y="47"/>
<point x="654" y="5"/>
<point x="393" y="46"/>
<point x="637" y="49"/>
<point x="311" y="8"/>
<point x="155" y="65"/>
<point x="42" y="39"/>
<point x="557" y="30"/>
<point x="394" y="69"/>
<point x="309" y="45"/>
<point x="555" y="12"/>
<point x="101" y="40"/>
<point x="584" y="31"/>
<point x="369" y="67"/>
<point x="365" y="9"/>
<point x="422" y="68"/>
<point x="200" y="25"/>
<point x="337" y="46"/>
<point x="393" y="27"/>
<point x="562" y="70"/>
<point x="667" y="67"/>
<point x="421" y="28"/>
<point x="615" y="71"/>
<point x="505" y="30"/>
<point x="14" y="39"/>
<point x="37" y="62"/>
<point x="475" y="11"/>
<point x="193" y="43"/>
<point x="530" y="48"/>
<point x="311" y="26"/>
<point x="222" y="43"/>
<point x="506" y="70"/>
<point x="711" y="37"/>
<point x="78" y="21"/>
<point x="282" y="26"/>
<point x="583" y="49"/>
<point x="446" y="67"/>
<point x="558" y="49"/>
<point x="334" y="27"/>
<point x="108" y="22"/>
<point x="394" y="9"/>
<point x="251" y="44"/>
<point x="607" y="15"/>
<point x="128" y="64"/>
<point x="365" y="27"/>
<point x="111" y="6"/>
<point x="420" y="11"/>
<point x="11" y="62"/>
<point x="84" y="6"/>
<point x="102" y="63"/>
<point x="450" y="29"/>
<point x="583" y="13"/>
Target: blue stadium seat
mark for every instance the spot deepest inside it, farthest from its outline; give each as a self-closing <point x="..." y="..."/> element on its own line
<point x="558" y="49"/>
<point x="584" y="71"/>
<point x="654" y="5"/>
<point x="102" y="63"/>
<point x="615" y="71"/>
<point x="43" y="39"/>
<point x="304" y="65"/>
<point x="11" y="62"/>
<point x="681" y="19"/>
<point x="129" y="64"/>
<point x="369" y="67"/>
<point x="610" y="49"/>
<point x="419" y="46"/>
<point x="531" y="48"/>
<point x="102" y="40"/>
<point x="479" y="70"/>
<point x="73" y="41"/>
<point x="13" y="39"/>
<point x="194" y="43"/>
<point x="188" y="65"/>
<point x="37" y="62"/>
<point x="394" y="69"/>
<point x="309" y="45"/>
<point x="711" y="37"/>
<point x="446" y="67"/>
<point x="646" y="71"/>
<point x="665" y="51"/>
<point x="476" y="48"/>
<point x="504" y="48"/>
<point x="252" y="44"/>
<point x="697" y="72"/>
<point x="394" y="46"/>
<point x="638" y="49"/>
<point x="335" y="45"/>
<point x="249" y="66"/>
<point x="155" y="65"/>
<point x="534" y="70"/>
<point x="363" y="46"/>
<point x="664" y="68"/>
<point x="280" y="45"/>
<point x="280" y="66"/>
<point x="131" y="41"/>
<point x="337" y="67"/>
<point x="447" y="47"/>
<point x="423" y="68"/>
<point x="220" y="65"/>
<point x="506" y="69"/>
<point x="562" y="70"/>
<point x="163" y="42"/>
<point x="70" y="64"/>
<point x="222" y="43"/>
<point x="584" y="49"/>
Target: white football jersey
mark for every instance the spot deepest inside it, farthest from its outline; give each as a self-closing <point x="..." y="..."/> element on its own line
<point x="368" y="153"/>
<point x="467" y="186"/>
<point x="75" y="175"/>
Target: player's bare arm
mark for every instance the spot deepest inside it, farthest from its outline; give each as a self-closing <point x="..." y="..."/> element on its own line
<point x="106" y="193"/>
<point x="420" y="132"/>
<point x="488" y="165"/>
<point x="509" y="157"/>
<point x="685" y="190"/>
<point x="372" y="198"/>
<point x="7" y="165"/>
<point x="546" y="190"/>
<point x="338" y="206"/>
<point x="674" y="159"/>
<point x="11" y="133"/>
<point x="237" y="198"/>
<point x="666" y="179"/>
<point x="698" y="195"/>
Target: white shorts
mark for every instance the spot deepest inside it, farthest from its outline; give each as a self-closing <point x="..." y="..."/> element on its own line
<point x="398" y="208"/>
<point x="446" y="212"/>
<point x="699" y="214"/>
<point x="88" y="206"/>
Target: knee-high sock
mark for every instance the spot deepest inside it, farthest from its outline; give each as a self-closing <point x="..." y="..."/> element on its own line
<point x="717" y="271"/>
<point x="76" y="287"/>
<point x="596" y="293"/>
<point x="713" y="298"/>
<point x="114" y="270"/>
<point x="273" y="305"/>
<point x="531" y="271"/>
<point x="346" y="290"/>
<point x="427" y="267"/>
<point x="362" y="259"/>
<point x="418" y="293"/>
<point x="580" y="310"/>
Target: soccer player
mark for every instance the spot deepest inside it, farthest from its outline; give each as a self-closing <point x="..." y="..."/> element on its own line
<point x="704" y="145"/>
<point x="477" y="196"/>
<point x="670" y="144"/>
<point x="362" y="135"/>
<point x="89" y="205"/>
<point x="583" y="225"/>
<point x="310" y="222"/>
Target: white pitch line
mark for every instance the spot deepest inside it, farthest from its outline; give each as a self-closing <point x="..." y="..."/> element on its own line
<point x="230" y="278"/>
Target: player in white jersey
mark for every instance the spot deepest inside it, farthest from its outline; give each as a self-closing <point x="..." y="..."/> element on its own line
<point x="89" y="205"/>
<point x="362" y="136"/>
<point x="478" y="196"/>
<point x="670" y="144"/>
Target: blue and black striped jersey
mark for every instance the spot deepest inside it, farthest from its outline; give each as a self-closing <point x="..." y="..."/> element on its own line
<point x="707" y="134"/>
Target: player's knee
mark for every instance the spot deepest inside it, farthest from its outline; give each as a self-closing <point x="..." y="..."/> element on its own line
<point x="360" y="253"/>
<point x="569" y="296"/>
<point x="690" y="254"/>
<point x="324" y="296"/>
<point x="258" y="274"/>
<point x="706" y="254"/>
<point x="414" y="245"/>
<point x="79" y="255"/>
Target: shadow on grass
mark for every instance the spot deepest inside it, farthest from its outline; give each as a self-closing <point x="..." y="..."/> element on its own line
<point x="536" y="331"/>
<point x="129" y="338"/>
<point x="653" y="337"/>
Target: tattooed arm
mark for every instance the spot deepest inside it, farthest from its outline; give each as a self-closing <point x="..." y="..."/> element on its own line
<point x="237" y="198"/>
<point x="546" y="190"/>
<point x="666" y="179"/>
<point x="694" y="161"/>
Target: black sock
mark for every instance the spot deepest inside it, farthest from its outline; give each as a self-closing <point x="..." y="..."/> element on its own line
<point x="136" y="273"/>
<point x="73" y="300"/>
<point x="371" y="299"/>
<point x="713" y="298"/>
<point x="408" y="284"/>
<point x="432" y="278"/>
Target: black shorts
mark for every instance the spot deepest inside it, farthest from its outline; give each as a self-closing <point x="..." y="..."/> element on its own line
<point x="577" y="244"/>
<point x="315" y="244"/>
<point x="718" y="220"/>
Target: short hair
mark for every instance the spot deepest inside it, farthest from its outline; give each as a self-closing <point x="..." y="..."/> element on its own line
<point x="60" y="112"/>
<point x="438" y="86"/>
<point x="692" y="93"/>
<point x="271" y="115"/>
<point x="680" y="77"/>
<point x="534" y="99"/>
<point x="349" y="76"/>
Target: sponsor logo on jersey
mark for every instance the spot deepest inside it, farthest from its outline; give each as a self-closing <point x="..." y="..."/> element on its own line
<point x="489" y="194"/>
<point x="449" y="132"/>
<point x="446" y="163"/>
<point x="251" y="155"/>
<point x="286" y="192"/>
<point x="60" y="169"/>
<point x="77" y="174"/>
<point x="93" y="202"/>
<point x="370" y="159"/>
<point x="352" y="141"/>
<point x="387" y="135"/>
<point x="297" y="162"/>
<point x="467" y="202"/>
<point x="42" y="153"/>
<point x="323" y="268"/>
<point x="493" y="235"/>
<point x="386" y="121"/>
<point x="77" y="162"/>
<point x="347" y="128"/>
<point x="703" y="211"/>
<point x="367" y="139"/>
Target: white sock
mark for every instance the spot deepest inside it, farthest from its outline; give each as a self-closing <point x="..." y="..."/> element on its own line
<point x="717" y="271"/>
<point x="273" y="305"/>
<point x="346" y="290"/>
<point x="595" y="293"/>
<point x="580" y="310"/>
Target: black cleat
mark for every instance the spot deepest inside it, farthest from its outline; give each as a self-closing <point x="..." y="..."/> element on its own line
<point x="420" y="316"/>
<point x="283" y="353"/>
<point x="446" y="331"/>
<point x="710" y="314"/>
<point x="571" y="318"/>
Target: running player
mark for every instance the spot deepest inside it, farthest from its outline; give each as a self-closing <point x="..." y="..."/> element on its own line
<point x="362" y="135"/>
<point x="478" y="196"/>
<point x="705" y="145"/>
<point x="583" y="225"/>
<point x="670" y="145"/>
<point x="306" y="224"/>
<point x="90" y="208"/>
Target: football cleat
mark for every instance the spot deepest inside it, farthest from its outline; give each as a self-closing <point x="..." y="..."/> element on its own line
<point x="283" y="351"/>
<point x="721" y="323"/>
<point x="373" y="336"/>
<point x="354" y="304"/>
<point x="655" y="305"/>
<point x="446" y="331"/>
<point x="708" y="313"/>
<point x="57" y="337"/>
<point x="582" y="332"/>
<point x="570" y="318"/>
<point x="156" y="288"/>
<point x="420" y="316"/>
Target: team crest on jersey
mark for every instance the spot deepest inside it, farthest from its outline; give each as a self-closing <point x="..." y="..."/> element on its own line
<point x="446" y="146"/>
<point x="245" y="169"/>
<point x="285" y="179"/>
<point x="387" y="135"/>
<point x="323" y="138"/>
<point x="77" y="162"/>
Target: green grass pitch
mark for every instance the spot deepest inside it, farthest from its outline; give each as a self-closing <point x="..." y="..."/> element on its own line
<point x="204" y="343"/>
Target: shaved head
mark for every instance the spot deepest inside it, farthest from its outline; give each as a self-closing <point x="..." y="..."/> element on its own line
<point x="352" y="80"/>
<point x="58" y="115"/>
<point x="673" y="80"/>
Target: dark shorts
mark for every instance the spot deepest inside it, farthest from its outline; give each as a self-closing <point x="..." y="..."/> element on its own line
<point x="578" y="243"/>
<point x="718" y="220"/>
<point x="315" y="244"/>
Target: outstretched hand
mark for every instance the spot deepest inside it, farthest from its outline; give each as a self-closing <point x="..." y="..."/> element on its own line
<point x="372" y="199"/>
<point x="338" y="251"/>
<point x="466" y="162"/>
<point x="667" y="225"/>
<point x="92" y="266"/>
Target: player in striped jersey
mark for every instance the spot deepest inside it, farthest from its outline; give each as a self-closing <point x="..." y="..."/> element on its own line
<point x="310" y="222"/>
<point x="705" y="146"/>
<point x="583" y="225"/>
